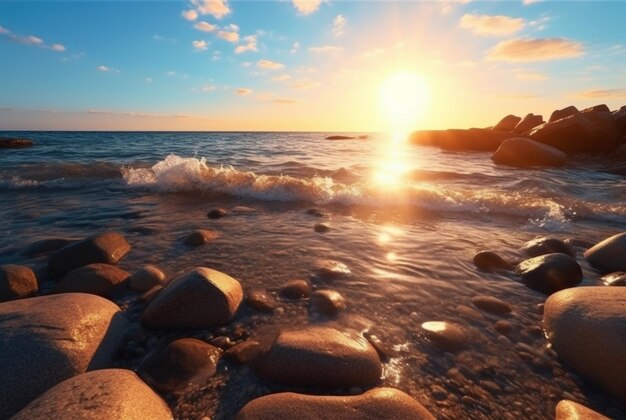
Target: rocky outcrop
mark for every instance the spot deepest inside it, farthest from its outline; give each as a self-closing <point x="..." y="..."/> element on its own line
<point x="15" y="143"/>
<point x="609" y="255"/>
<point x="45" y="340"/>
<point x="523" y="152"/>
<point x="16" y="282"/>
<point x="592" y="132"/>
<point x="98" y="279"/>
<point x="474" y="139"/>
<point x="378" y="403"/>
<point x="550" y="273"/>
<point x="507" y="123"/>
<point x="529" y="122"/>
<point x="585" y="326"/>
<point x="102" y="394"/>
<point x="107" y="248"/>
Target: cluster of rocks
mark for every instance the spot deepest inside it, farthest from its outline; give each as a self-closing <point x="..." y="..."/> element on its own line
<point x="343" y="137"/>
<point x="14" y="143"/>
<point x="530" y="141"/>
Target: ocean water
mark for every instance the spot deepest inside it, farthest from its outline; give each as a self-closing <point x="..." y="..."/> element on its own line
<point x="405" y="219"/>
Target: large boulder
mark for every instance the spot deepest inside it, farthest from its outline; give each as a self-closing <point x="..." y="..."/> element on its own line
<point x="320" y="356"/>
<point x="16" y="282"/>
<point x="562" y="113"/>
<point x="570" y="410"/>
<point x="609" y="255"/>
<point x="529" y="122"/>
<point x="102" y="394"/>
<point x="474" y="139"/>
<point x="522" y="152"/>
<point x="578" y="133"/>
<point x="107" y="248"/>
<point x="378" y="403"/>
<point x="586" y="328"/>
<point x="45" y="340"/>
<point x="98" y="279"/>
<point x="550" y="273"/>
<point x="201" y="298"/>
<point x="507" y="123"/>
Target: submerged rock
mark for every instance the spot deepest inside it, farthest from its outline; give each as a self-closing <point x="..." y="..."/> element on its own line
<point x="107" y="248"/>
<point x="321" y="228"/>
<point x="570" y="410"/>
<point x="327" y="302"/>
<point x="146" y="278"/>
<point x="490" y="261"/>
<point x="102" y="394"/>
<point x="262" y="301"/>
<point x="585" y="326"/>
<point x="610" y="254"/>
<point x="45" y="340"/>
<point x="320" y="356"/>
<point x="296" y="289"/>
<point x="315" y="212"/>
<point x="445" y="335"/>
<point x="543" y="246"/>
<point x="491" y="304"/>
<point x="15" y="143"/>
<point x="507" y="123"/>
<point x="16" y="282"/>
<point x="45" y="246"/>
<point x="550" y="273"/>
<point x="340" y="138"/>
<point x="200" y="237"/>
<point x="522" y="152"/>
<point x="98" y="279"/>
<point x="216" y="213"/>
<point x="331" y="270"/>
<point x="378" y="403"/>
<point x="201" y="298"/>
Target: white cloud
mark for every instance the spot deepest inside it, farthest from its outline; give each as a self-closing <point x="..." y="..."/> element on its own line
<point x="603" y="93"/>
<point x="205" y="26"/>
<point x="295" y="47"/>
<point x="250" y="45"/>
<point x="284" y="101"/>
<point x="148" y="80"/>
<point x="281" y="78"/>
<point x="106" y="69"/>
<point x="31" y="40"/>
<point x="208" y="88"/>
<point x="491" y="25"/>
<point x="243" y="91"/>
<point x="229" y="33"/>
<point x="246" y="64"/>
<point x="58" y="47"/>
<point x="539" y="49"/>
<point x="189" y="15"/>
<point x="170" y="73"/>
<point x="326" y="49"/>
<point x="269" y="65"/>
<point x="339" y="23"/>
<point x="216" y="8"/>
<point x="200" y="45"/>
<point x="217" y="55"/>
<point x="527" y="2"/>
<point x="306" y="7"/>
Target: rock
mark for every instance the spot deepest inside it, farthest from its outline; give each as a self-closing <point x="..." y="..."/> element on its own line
<point x="585" y="326"/>
<point x="321" y="228"/>
<point x="107" y="248"/>
<point x="610" y="254"/>
<point x="331" y="270"/>
<point x="522" y="152"/>
<point x="45" y="246"/>
<point x="186" y="362"/>
<point x="102" y="394"/>
<point x="445" y="335"/>
<point x="296" y="289"/>
<point x="529" y="122"/>
<point x="570" y="410"/>
<point x="363" y="137"/>
<point x="98" y="279"/>
<point x="146" y="278"/>
<point x="14" y="143"/>
<point x="45" y="340"/>
<point x="491" y="304"/>
<point x="597" y="108"/>
<point x="474" y="139"/>
<point x="244" y="352"/>
<point x="550" y="273"/>
<point x="16" y="282"/>
<point x="543" y="246"/>
<point x="578" y="133"/>
<point x="216" y="213"/>
<point x="200" y="237"/>
<point x="468" y="312"/>
<point x="378" y="403"/>
<point x="315" y="212"/>
<point x="149" y="295"/>
<point x="503" y="327"/>
<point x="222" y="342"/>
<point x="201" y="298"/>
<point x="321" y="357"/>
<point x="490" y="261"/>
<point x="340" y="138"/>
<point x="242" y="210"/>
<point x="615" y="279"/>
<point x="562" y="113"/>
<point x="327" y="302"/>
<point x="578" y="243"/>
<point x="507" y="123"/>
<point x="262" y="301"/>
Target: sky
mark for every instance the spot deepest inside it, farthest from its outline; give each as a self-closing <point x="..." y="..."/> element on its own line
<point x="303" y="65"/>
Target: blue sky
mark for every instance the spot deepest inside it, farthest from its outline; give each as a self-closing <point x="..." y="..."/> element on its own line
<point x="303" y="64"/>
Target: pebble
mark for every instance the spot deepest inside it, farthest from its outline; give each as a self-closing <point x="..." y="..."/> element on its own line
<point x="262" y="301"/>
<point x="200" y="237"/>
<point x="321" y="228"/>
<point x="490" y="261"/>
<point x="244" y="352"/>
<point x="331" y="270"/>
<point x="491" y="304"/>
<point x="146" y="278"/>
<point x="445" y="335"/>
<point x="327" y="302"/>
<point x="296" y="289"/>
<point x="216" y="213"/>
<point x="503" y="327"/>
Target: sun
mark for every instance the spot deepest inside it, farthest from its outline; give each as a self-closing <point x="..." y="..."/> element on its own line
<point x="403" y="98"/>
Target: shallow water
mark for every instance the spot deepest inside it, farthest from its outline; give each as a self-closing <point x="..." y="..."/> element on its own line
<point x="406" y="220"/>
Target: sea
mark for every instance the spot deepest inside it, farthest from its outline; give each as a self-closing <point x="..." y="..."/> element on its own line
<point x="406" y="220"/>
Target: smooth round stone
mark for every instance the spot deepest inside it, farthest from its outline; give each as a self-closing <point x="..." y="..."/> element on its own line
<point x="200" y="237"/>
<point x="183" y="363"/>
<point x="445" y="335"/>
<point x="16" y="282"/>
<point x="490" y="261"/>
<point x="570" y="410"/>
<point x="331" y="270"/>
<point x="550" y="273"/>
<point x="543" y="246"/>
<point x="106" y="248"/>
<point x="491" y="304"/>
<point x="609" y="255"/>
<point x="98" y="279"/>
<point x="146" y="278"/>
<point x="468" y="312"/>
<point x="216" y="213"/>
<point x="101" y="394"/>
<point x="378" y="403"/>
<point x="615" y="279"/>
<point x="244" y="352"/>
<point x="322" y="357"/>
<point x="321" y="228"/>
<point x="296" y="289"/>
<point x="327" y="302"/>
<point x="262" y="301"/>
<point x="503" y="327"/>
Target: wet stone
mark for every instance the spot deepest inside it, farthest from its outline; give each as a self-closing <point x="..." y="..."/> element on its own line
<point x="200" y="237"/>
<point x="216" y="213"/>
<point x="550" y="273"/>
<point x="490" y="261"/>
<point x="107" y="248"/>
<point x="445" y="335"/>
<point x="543" y="246"/>
<point x="296" y="289"/>
<point x="331" y="270"/>
<point x="148" y="295"/>
<point x="327" y="302"/>
<point x="262" y="301"/>
<point x="492" y="305"/>
<point x="244" y="352"/>
<point x="98" y="279"/>
<point x="321" y="227"/>
<point x="315" y="212"/>
<point x="503" y="327"/>
<point x="570" y="410"/>
<point x="146" y="278"/>
<point x="16" y="282"/>
<point x="468" y="312"/>
<point x="222" y="341"/>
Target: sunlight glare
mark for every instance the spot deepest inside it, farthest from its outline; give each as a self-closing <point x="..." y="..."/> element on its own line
<point x="403" y="100"/>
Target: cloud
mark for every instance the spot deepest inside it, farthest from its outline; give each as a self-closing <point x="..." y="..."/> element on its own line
<point x="284" y="101"/>
<point x="217" y="55"/>
<point x="106" y="69"/>
<point x="527" y="2"/>
<point x="208" y="88"/>
<point x="602" y="93"/>
<point x="338" y="25"/>
<point x="200" y="45"/>
<point x="216" y="8"/>
<point x="326" y="49"/>
<point x="517" y="96"/>
<point x="148" y="80"/>
<point x="30" y="40"/>
<point x="205" y="26"/>
<point x="269" y="65"/>
<point x="491" y="25"/>
<point x="3" y="30"/>
<point x="246" y="64"/>
<point x="250" y="45"/>
<point x="304" y="84"/>
<point x="243" y="91"/>
<point x="539" y="49"/>
<point x="306" y="7"/>
<point x="281" y="78"/>
<point x="530" y="75"/>
<point x="229" y="33"/>
<point x="295" y="47"/>
<point x="189" y="15"/>
<point x="58" y="47"/>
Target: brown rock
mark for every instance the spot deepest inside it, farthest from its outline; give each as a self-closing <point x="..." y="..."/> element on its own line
<point x="16" y="282"/>
<point x="578" y="133"/>
<point x="186" y="362"/>
<point x="529" y="122"/>
<point x="490" y="261"/>
<point x="149" y="295"/>
<point x="320" y="356"/>
<point x="507" y="123"/>
<point x="201" y="237"/>
<point x="445" y="335"/>
<point x="378" y="403"/>
<point x="569" y="410"/>
<point x="585" y="326"/>
<point x="615" y="279"/>
<point x="503" y="327"/>
<point x="327" y="302"/>
<point x="550" y="273"/>
<point x="491" y="304"/>
<point x="107" y="248"/>
<point x="14" y="143"/>
<point x="262" y="301"/>
<point x="244" y="352"/>
<point x="98" y="279"/>
<point x="45" y="246"/>
<point x="146" y="278"/>
<point x="578" y="243"/>
<point x="242" y="210"/>
<point x="315" y="212"/>
<point x="45" y="340"/>
<point x="331" y="270"/>
<point x="543" y="246"/>
<point x="610" y="254"/>
<point x="321" y="228"/>
<point x="337" y="137"/>
<point x="562" y="113"/>
<point x="216" y="213"/>
<point x="102" y="394"/>
<point x="201" y="298"/>
<point x="474" y="139"/>
<point x="296" y="289"/>
<point x="523" y="152"/>
<point x="597" y="108"/>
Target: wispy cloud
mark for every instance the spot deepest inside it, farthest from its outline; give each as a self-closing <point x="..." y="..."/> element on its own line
<point x="107" y="69"/>
<point x="243" y="91"/>
<point x="30" y="40"/>
<point x="200" y="45"/>
<point x="281" y="78"/>
<point x="269" y="65"/>
<point x="527" y="2"/>
<point x="529" y="75"/>
<point x="205" y="26"/>
<point x="295" y="47"/>
<point x="304" y="84"/>
<point x="229" y="33"/>
<point x="339" y="23"/>
<point x="250" y="45"/>
<point x="284" y="101"/>
<point x="189" y="15"/>
<point x="487" y="25"/>
<point x="216" y="8"/>
<point x="58" y="47"/>
<point x="306" y="7"/>
<point x="208" y="88"/>
<point x="326" y="49"/>
<point x="540" y="49"/>
<point x="602" y="93"/>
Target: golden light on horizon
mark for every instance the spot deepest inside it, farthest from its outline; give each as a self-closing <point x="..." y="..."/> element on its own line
<point x="404" y="99"/>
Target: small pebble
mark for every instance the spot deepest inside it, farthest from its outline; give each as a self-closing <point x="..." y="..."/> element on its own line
<point x="262" y="301"/>
<point x="296" y="289"/>
<point x="491" y="304"/>
<point x="216" y="213"/>
<point x="321" y="227"/>
<point x="327" y="302"/>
